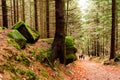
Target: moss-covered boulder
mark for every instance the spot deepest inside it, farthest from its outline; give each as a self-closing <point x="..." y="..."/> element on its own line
<point x="29" y="34"/>
<point x="18" y="37"/>
<point x="70" y="49"/>
<point x="69" y="41"/>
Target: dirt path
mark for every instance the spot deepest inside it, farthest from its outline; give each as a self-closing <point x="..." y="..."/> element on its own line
<point x="97" y="71"/>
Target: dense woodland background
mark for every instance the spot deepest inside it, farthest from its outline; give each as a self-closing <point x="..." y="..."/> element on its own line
<point x="91" y="28"/>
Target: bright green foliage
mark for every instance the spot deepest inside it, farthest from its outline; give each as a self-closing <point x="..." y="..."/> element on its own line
<point x="18" y="24"/>
<point x="70" y="49"/>
<point x="13" y="43"/>
<point x="18" y="37"/>
<point x="69" y="41"/>
<point x="29" y="34"/>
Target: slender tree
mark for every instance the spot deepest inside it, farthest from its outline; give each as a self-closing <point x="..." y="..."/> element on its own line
<point x="11" y="4"/>
<point x="17" y="11"/>
<point x="112" y="52"/>
<point x="23" y="10"/>
<point x="58" y="46"/>
<point x="14" y="7"/>
<point x="41" y="22"/>
<point x="116" y="35"/>
<point x="4" y="13"/>
<point x="47" y="18"/>
<point x="36" y="17"/>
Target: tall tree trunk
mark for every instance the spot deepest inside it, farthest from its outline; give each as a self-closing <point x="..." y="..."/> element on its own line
<point x="116" y="34"/>
<point x="41" y="22"/>
<point x="17" y="11"/>
<point x="23" y="10"/>
<point x="11" y="3"/>
<point x="67" y="17"/>
<point x="58" y="46"/>
<point x="112" y="52"/>
<point x="36" y="17"/>
<point x="31" y="22"/>
<point x="4" y="14"/>
<point x="47" y="18"/>
<point x="14" y="6"/>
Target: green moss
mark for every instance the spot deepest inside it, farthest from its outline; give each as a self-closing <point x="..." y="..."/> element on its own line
<point x="17" y="25"/>
<point x="40" y="57"/>
<point x="13" y="43"/>
<point x="43" y="54"/>
<point x="20" y="71"/>
<point x="32" y="52"/>
<point x="34" y="33"/>
<point x="48" y="51"/>
<point x="23" y="59"/>
<point x="44" y="73"/>
<point x="70" y="49"/>
<point x="69" y="41"/>
<point x="18" y="37"/>
<point x="30" y="34"/>
<point x="30" y="75"/>
<point x="71" y="56"/>
<point x="10" y="67"/>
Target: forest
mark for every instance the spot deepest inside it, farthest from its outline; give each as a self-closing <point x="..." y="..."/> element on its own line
<point x="59" y="40"/>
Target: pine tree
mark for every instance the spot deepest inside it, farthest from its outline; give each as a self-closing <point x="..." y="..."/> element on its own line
<point x="112" y="52"/>
<point x="4" y="13"/>
<point x="58" y="46"/>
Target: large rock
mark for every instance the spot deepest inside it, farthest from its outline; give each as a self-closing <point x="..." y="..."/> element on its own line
<point x="29" y="34"/>
<point x="18" y="37"/>
<point x="70" y="50"/>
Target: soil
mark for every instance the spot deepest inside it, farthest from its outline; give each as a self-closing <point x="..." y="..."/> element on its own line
<point x="97" y="71"/>
<point x="78" y="70"/>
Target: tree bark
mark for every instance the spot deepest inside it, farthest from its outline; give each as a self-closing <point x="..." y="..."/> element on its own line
<point x="58" y="46"/>
<point x="23" y="10"/>
<point x="36" y="17"/>
<point x="17" y="11"/>
<point x="14" y="7"/>
<point x="41" y="22"/>
<point x="113" y="30"/>
<point x="47" y="18"/>
<point x="116" y="34"/>
<point x="4" y="14"/>
<point x="11" y="4"/>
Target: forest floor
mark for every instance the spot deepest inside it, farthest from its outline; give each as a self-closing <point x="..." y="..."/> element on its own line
<point x="98" y="71"/>
<point x="13" y="65"/>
